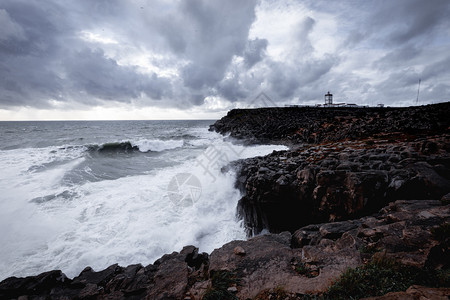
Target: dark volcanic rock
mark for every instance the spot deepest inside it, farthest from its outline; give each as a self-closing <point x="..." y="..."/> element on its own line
<point x="167" y="278"/>
<point x="337" y="181"/>
<point x="416" y="292"/>
<point x="42" y="284"/>
<point x="305" y="262"/>
<point x="349" y="162"/>
<point x="317" y="254"/>
<point x="270" y="262"/>
<point x="296" y="125"/>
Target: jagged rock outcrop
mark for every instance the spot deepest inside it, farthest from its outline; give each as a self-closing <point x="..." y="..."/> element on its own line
<point x="398" y="230"/>
<point x="345" y="162"/>
<point x="306" y="262"/>
<point x="318" y="254"/>
<point x="338" y="181"/>
<point x="166" y="278"/>
<point x="298" y="125"/>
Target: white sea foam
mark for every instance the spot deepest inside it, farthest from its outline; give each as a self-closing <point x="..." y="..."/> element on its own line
<point x="146" y="145"/>
<point x="127" y="220"/>
<point x="24" y="229"/>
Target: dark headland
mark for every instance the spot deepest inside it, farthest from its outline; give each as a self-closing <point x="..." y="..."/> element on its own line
<point x="360" y="188"/>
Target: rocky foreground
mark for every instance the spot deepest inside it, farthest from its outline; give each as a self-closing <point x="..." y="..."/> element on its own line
<point x="361" y="188"/>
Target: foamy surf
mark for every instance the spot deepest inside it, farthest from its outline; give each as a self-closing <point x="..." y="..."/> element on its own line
<point x="157" y="145"/>
<point x="66" y="208"/>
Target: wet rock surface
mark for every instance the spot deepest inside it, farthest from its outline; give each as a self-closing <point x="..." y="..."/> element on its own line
<point x="302" y="263"/>
<point x="166" y="278"/>
<point x="339" y="181"/>
<point x="343" y="163"/>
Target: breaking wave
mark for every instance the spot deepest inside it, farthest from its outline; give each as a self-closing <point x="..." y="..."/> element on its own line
<point x="143" y="145"/>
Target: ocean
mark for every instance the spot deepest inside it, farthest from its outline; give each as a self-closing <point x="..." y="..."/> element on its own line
<point x="94" y="193"/>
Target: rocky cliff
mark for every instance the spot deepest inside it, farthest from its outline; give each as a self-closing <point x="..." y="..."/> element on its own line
<point x="340" y="180"/>
<point x="344" y="162"/>
<point x="297" y="125"/>
<point x="361" y="188"/>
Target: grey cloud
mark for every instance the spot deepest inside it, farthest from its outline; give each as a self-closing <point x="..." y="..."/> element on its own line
<point x="282" y="83"/>
<point x="50" y="62"/>
<point x="438" y="92"/>
<point x="354" y="37"/>
<point x="174" y="36"/>
<point x="196" y="99"/>
<point x="10" y="29"/>
<point x="28" y="69"/>
<point x="301" y="68"/>
<point x="217" y="31"/>
<point x="286" y="79"/>
<point x="407" y="33"/>
<point x="419" y="18"/>
<point x="40" y="25"/>
<point x="92" y="73"/>
<point x="436" y="69"/>
<point x="198" y="76"/>
<point x="302" y="35"/>
<point x="399" y="81"/>
<point x="282" y="79"/>
<point x="254" y="51"/>
<point x="231" y="89"/>
<point x="404" y="20"/>
<point x="204" y="49"/>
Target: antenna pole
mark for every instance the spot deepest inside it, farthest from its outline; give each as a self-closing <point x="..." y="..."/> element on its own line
<point x="418" y="90"/>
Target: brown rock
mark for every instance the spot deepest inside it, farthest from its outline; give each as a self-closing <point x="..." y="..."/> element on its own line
<point x="446" y="199"/>
<point x="171" y="278"/>
<point x="239" y="251"/>
<point x="416" y="292"/>
<point x="268" y="264"/>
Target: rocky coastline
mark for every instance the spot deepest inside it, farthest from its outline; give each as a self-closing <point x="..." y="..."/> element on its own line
<point x="359" y="187"/>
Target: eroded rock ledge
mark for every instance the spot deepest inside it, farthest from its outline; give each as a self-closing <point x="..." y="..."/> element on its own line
<point x="299" y="125"/>
<point x="343" y="163"/>
<point x="340" y="180"/>
<point x="263" y="264"/>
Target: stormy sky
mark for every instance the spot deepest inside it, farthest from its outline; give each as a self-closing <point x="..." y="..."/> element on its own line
<point x="160" y="59"/>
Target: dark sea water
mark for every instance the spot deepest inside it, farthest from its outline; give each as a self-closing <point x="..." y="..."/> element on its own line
<point x="93" y="193"/>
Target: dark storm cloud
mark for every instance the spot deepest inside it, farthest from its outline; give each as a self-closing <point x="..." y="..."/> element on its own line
<point x="217" y="32"/>
<point x="403" y="40"/>
<point x="254" y="51"/>
<point x="285" y="79"/>
<point x="45" y="63"/>
<point x="26" y="63"/>
<point x="411" y="19"/>
<point x="92" y="72"/>
<point x="43" y="57"/>
<point x="398" y="57"/>
<point x="87" y="51"/>
<point x="438" y="68"/>
<point x="10" y="29"/>
<point x="301" y="69"/>
<point x="230" y="89"/>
